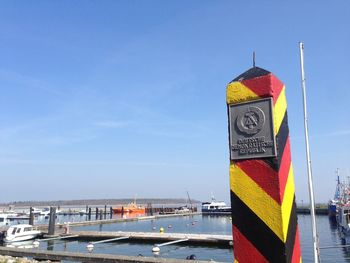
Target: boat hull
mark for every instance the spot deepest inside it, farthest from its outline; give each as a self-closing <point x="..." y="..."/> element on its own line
<point x="216" y="211"/>
<point x="332" y="210"/>
<point x="22" y="237"/>
<point x="121" y="210"/>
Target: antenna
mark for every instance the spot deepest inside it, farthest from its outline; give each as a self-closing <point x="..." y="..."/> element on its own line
<point x="253" y="59"/>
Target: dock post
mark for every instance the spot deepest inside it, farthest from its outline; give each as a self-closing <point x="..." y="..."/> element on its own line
<point x="96" y="215"/>
<point x="50" y="245"/>
<point x="89" y="215"/>
<point x="52" y="221"/>
<point x="105" y="209"/>
<point x="122" y="211"/>
<point x="264" y="219"/>
<point x="86" y="209"/>
<point x="31" y="216"/>
<point x="111" y="211"/>
<point x="151" y="209"/>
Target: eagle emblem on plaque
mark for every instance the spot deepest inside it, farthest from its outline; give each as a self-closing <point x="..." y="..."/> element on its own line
<point x="251" y="130"/>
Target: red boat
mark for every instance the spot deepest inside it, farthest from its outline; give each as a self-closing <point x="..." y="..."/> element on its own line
<point x="130" y="208"/>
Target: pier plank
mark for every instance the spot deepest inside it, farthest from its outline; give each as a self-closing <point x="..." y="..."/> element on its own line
<point x="85" y="257"/>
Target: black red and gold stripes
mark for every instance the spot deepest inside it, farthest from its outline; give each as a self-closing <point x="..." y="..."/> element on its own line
<point x="265" y="227"/>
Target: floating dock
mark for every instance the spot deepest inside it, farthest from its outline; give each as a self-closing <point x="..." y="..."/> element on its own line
<point x="86" y="257"/>
<point x="152" y="237"/>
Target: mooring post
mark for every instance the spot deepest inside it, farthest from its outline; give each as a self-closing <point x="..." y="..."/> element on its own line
<point x="86" y="209"/>
<point x="111" y="211"/>
<point x="31" y="216"/>
<point x="52" y="221"/>
<point x="89" y="215"/>
<point x="96" y="215"/>
<point x="105" y="212"/>
<point x="264" y="220"/>
<point x="122" y="210"/>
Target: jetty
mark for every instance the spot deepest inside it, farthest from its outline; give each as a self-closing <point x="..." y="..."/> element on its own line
<point x="224" y="241"/>
<point x="86" y="257"/>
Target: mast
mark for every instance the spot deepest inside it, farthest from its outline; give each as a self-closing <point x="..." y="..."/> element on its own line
<point x="189" y="199"/>
<point x="337" y="189"/>
<point x="309" y="171"/>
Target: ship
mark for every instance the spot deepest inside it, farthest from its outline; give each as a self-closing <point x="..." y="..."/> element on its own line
<point x="335" y="202"/>
<point x="130" y="208"/>
<point x="215" y="207"/>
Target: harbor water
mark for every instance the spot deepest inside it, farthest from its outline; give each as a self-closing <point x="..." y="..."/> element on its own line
<point x="328" y="237"/>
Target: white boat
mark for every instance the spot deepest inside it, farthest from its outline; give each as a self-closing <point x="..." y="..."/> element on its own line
<point x="35" y="211"/>
<point x="182" y="210"/>
<point x="45" y="212"/>
<point x="20" y="232"/>
<point x="215" y="207"/>
<point x="4" y="220"/>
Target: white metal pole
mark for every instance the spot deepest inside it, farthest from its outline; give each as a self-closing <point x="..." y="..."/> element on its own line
<point x="309" y="172"/>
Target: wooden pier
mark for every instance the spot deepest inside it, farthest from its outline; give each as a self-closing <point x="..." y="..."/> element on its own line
<point x="86" y="257"/>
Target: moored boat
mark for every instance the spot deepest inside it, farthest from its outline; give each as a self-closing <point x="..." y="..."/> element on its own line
<point x="215" y="207"/>
<point x="343" y="218"/>
<point x="4" y="219"/>
<point x="130" y="208"/>
<point x="333" y="204"/>
<point x="182" y="210"/>
<point x="20" y="232"/>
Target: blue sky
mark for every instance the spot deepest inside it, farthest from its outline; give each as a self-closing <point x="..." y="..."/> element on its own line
<point x="115" y="99"/>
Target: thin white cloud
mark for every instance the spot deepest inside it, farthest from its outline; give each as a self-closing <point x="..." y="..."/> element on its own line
<point x="27" y="81"/>
<point x="325" y="135"/>
<point x="333" y="134"/>
<point x="112" y="124"/>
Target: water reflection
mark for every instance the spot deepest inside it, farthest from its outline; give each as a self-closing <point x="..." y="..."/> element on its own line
<point x="21" y="244"/>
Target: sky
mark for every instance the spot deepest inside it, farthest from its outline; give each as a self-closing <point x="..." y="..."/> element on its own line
<point x="117" y="99"/>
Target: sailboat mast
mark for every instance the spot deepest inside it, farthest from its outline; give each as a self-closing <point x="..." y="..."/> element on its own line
<point x="337" y="190"/>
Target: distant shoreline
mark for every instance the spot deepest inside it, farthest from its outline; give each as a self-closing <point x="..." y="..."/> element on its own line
<point x="143" y="201"/>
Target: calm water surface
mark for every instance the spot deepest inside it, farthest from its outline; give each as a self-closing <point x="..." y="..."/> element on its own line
<point x="328" y="236"/>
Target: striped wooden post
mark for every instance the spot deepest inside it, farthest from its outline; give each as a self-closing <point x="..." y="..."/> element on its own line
<point x="264" y="219"/>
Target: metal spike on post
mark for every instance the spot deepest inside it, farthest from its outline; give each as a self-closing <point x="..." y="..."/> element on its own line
<point x="309" y="170"/>
<point x="253" y="59"/>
